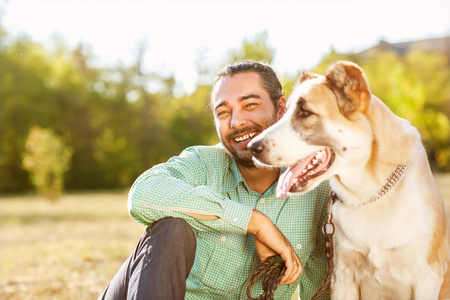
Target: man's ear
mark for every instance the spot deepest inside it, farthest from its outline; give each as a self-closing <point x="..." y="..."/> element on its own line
<point x="351" y="85"/>
<point x="281" y="108"/>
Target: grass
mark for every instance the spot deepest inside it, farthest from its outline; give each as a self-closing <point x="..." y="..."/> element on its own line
<point x="65" y="250"/>
<point x="71" y="249"/>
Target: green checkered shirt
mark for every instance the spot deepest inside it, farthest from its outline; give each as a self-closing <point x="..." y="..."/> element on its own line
<point x="206" y="180"/>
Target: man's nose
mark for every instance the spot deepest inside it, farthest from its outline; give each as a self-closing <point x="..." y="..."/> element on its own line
<point x="237" y="120"/>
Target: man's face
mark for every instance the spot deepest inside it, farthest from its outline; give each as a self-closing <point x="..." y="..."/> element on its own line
<point x="242" y="110"/>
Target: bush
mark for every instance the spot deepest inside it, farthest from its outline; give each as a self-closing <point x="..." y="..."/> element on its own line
<point x="46" y="158"/>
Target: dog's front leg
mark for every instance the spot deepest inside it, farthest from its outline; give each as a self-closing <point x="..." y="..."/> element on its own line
<point x="427" y="286"/>
<point x="345" y="281"/>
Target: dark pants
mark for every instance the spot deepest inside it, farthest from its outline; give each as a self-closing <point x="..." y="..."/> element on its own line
<point x="159" y="266"/>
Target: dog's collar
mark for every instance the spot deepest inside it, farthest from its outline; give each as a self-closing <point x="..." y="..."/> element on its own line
<point x="390" y="182"/>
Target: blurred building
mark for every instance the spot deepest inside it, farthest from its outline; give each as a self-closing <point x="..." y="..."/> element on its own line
<point x="441" y="44"/>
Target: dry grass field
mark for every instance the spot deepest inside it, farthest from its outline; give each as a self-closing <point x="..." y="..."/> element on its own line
<point x="65" y="250"/>
<point x="72" y="248"/>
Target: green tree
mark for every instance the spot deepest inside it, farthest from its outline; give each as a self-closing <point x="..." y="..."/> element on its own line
<point x="415" y="87"/>
<point x="331" y="58"/>
<point x="23" y="69"/>
<point x="256" y="48"/>
<point x="46" y="158"/>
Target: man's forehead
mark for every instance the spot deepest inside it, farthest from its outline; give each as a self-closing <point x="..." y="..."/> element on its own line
<point x="236" y="87"/>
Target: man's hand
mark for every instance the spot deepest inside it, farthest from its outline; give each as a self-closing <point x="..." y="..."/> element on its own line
<point x="270" y="241"/>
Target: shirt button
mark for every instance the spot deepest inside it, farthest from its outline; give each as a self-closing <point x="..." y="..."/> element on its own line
<point x="262" y="200"/>
<point x="299" y="246"/>
<point x="223" y="238"/>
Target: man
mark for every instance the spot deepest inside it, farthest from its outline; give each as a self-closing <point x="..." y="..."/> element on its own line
<point x="213" y="215"/>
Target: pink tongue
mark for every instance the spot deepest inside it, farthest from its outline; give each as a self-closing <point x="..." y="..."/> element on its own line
<point x="285" y="180"/>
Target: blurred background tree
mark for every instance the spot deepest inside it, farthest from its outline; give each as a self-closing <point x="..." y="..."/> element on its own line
<point x="256" y="48"/>
<point x="121" y="120"/>
<point x="46" y="158"/>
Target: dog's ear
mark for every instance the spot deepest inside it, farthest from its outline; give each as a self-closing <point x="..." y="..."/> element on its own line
<point x="351" y="85"/>
<point x="306" y="76"/>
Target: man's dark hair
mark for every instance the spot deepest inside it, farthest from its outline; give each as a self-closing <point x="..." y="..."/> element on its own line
<point x="269" y="79"/>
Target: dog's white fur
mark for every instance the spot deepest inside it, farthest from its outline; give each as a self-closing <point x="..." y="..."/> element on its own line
<point x="397" y="247"/>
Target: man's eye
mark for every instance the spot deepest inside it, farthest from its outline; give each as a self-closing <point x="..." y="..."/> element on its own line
<point x="221" y="113"/>
<point x="250" y="104"/>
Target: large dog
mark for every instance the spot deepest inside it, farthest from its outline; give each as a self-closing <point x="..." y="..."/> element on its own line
<point x="392" y="233"/>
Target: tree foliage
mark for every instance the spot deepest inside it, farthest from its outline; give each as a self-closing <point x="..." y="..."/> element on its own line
<point x="121" y="120"/>
<point x="416" y="88"/>
<point x="46" y="158"/>
<point x="256" y="48"/>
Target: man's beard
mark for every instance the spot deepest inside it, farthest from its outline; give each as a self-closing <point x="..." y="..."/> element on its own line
<point x="244" y="158"/>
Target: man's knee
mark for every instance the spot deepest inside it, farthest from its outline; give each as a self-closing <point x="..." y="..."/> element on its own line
<point x="173" y="232"/>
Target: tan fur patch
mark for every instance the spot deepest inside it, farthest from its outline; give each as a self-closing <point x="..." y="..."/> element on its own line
<point x="350" y="79"/>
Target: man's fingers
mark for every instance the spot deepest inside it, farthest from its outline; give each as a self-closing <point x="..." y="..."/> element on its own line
<point x="294" y="269"/>
<point x="289" y="263"/>
<point x="299" y="270"/>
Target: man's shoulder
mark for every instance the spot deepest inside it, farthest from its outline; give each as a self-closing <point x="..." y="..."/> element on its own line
<point x="209" y="154"/>
<point x="208" y="151"/>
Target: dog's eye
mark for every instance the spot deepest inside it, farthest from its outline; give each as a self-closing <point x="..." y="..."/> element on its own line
<point x="305" y="113"/>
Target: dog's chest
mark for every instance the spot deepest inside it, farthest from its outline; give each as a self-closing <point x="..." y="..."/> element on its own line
<point x="387" y="244"/>
<point x="377" y="226"/>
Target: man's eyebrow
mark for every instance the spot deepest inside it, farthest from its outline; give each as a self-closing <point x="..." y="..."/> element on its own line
<point x="223" y="103"/>
<point x="249" y="96"/>
<point x="242" y="98"/>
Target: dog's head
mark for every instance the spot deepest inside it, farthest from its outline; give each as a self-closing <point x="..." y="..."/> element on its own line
<point x="325" y="126"/>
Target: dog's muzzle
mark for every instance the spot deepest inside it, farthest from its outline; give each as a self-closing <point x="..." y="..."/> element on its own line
<point x="256" y="147"/>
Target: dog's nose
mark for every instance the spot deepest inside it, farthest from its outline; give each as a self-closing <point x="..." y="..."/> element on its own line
<point x="256" y="147"/>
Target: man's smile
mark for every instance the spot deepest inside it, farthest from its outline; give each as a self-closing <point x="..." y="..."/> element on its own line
<point x="244" y="138"/>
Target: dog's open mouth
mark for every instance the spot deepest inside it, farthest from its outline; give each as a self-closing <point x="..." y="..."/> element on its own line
<point x="297" y="177"/>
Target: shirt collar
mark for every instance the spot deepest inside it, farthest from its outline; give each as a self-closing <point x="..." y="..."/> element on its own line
<point x="235" y="177"/>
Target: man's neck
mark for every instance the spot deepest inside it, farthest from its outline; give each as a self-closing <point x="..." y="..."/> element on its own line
<point x="259" y="179"/>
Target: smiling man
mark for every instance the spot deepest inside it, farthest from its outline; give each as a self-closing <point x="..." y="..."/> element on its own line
<point x="213" y="215"/>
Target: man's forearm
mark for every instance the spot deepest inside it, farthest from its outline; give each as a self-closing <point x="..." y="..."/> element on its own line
<point x="256" y="221"/>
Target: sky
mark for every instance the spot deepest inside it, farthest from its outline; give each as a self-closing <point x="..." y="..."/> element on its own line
<point x="176" y="32"/>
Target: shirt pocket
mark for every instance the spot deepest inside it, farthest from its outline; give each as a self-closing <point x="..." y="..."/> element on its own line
<point x="220" y="260"/>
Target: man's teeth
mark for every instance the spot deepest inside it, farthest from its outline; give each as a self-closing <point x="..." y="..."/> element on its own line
<point x="245" y="137"/>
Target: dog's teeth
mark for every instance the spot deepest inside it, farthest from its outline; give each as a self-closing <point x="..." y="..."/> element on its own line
<point x="320" y="154"/>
